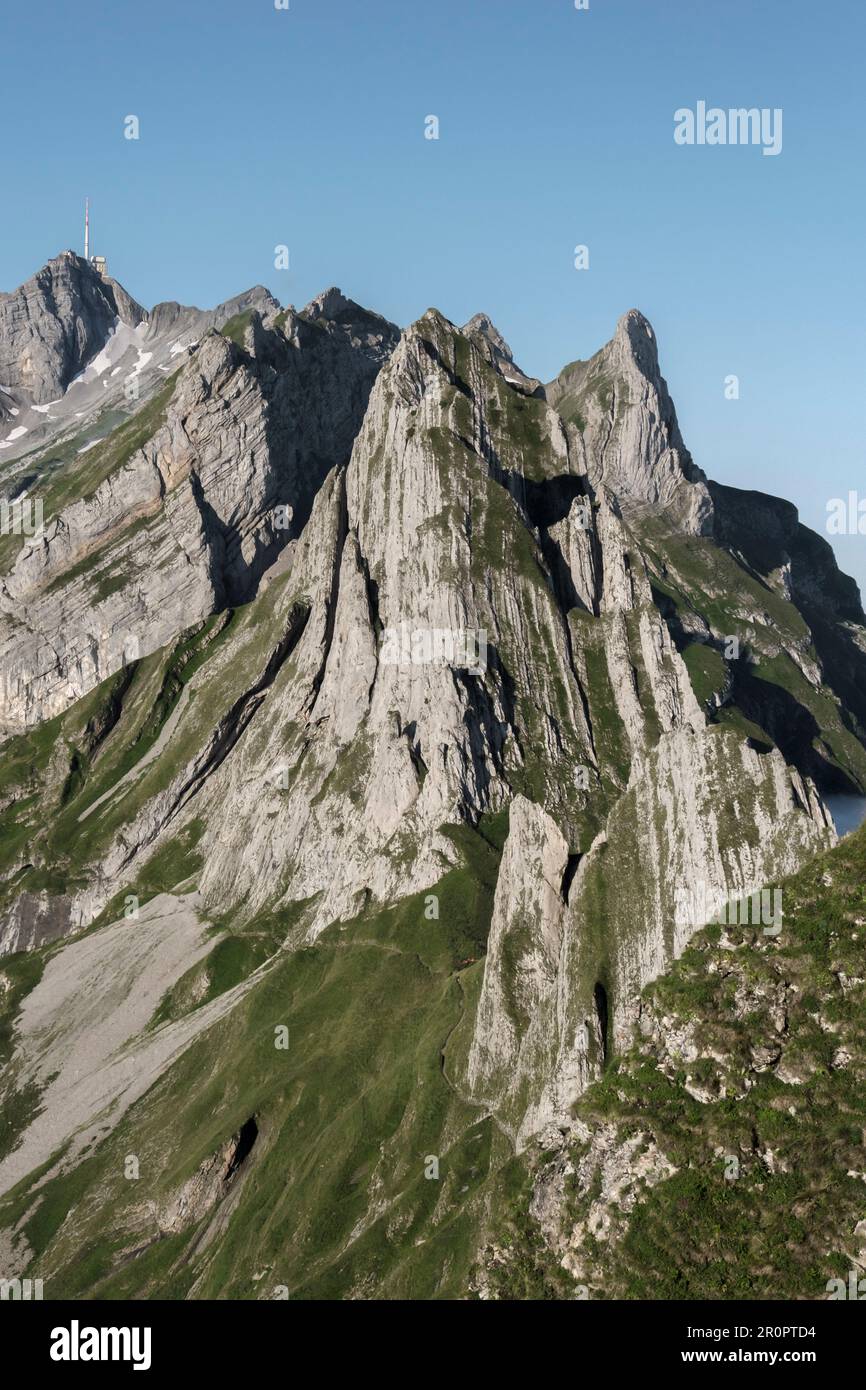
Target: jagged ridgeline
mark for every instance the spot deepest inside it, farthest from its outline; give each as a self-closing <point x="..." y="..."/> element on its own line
<point x="317" y="936"/>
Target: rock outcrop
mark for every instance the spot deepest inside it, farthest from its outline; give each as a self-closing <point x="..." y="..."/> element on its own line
<point x="185" y="522"/>
<point x="56" y="323"/>
<point x="563" y="978"/>
<point x="619" y="403"/>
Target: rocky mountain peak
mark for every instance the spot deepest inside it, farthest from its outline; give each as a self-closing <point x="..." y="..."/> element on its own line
<point x="635" y="337"/>
<point x="170" y="317"/>
<point x="482" y="326"/>
<point x="486" y="336"/>
<point x="335" y="311"/>
<point x="72" y="272"/>
<point x="57" y="322"/>
<point x="620" y="404"/>
<point x="327" y="305"/>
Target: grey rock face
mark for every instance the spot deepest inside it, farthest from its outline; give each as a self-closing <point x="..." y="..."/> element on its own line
<point x="619" y="403"/>
<point x="34" y="921"/>
<point x="432" y="528"/>
<point x="170" y="319"/>
<point x="55" y="323"/>
<point x="131" y="367"/>
<point x="515" y="1034"/>
<point x="192" y="520"/>
<point x="563" y="975"/>
<point x="429" y="488"/>
<point x="487" y="338"/>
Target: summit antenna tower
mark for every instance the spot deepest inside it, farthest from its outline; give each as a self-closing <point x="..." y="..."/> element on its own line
<point x="87" y="229"/>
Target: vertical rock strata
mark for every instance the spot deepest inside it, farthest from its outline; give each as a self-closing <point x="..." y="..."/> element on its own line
<point x="449" y="598"/>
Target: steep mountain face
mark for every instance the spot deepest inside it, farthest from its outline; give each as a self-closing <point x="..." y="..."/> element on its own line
<point x="178" y="513"/>
<point x="54" y="325"/>
<point x="371" y="691"/>
<point x="620" y="403"/>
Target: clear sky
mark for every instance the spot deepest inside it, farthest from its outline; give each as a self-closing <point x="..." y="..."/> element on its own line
<point x="305" y="127"/>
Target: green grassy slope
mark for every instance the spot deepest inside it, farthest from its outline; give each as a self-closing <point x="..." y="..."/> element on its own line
<point x="334" y="1200"/>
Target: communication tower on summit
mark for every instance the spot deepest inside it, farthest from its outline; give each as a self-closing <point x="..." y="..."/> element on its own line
<point x="98" y="262"/>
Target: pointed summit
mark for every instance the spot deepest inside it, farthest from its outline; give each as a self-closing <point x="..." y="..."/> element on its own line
<point x="57" y="322"/>
<point x="481" y="326"/>
<point x="635" y="335"/>
<point x="486" y="336"/>
<point x="327" y="305"/>
<point x="619" y="402"/>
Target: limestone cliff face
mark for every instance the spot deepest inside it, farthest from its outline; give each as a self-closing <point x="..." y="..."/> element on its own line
<point x="705" y="822"/>
<point x="337" y="597"/>
<point x="390" y="739"/>
<point x="619" y="403"/>
<point x="186" y="523"/>
<point x="516" y="1037"/>
<point x="466" y="513"/>
<point x="55" y="323"/>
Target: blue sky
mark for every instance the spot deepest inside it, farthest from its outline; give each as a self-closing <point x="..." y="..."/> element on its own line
<point x="306" y="127"/>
